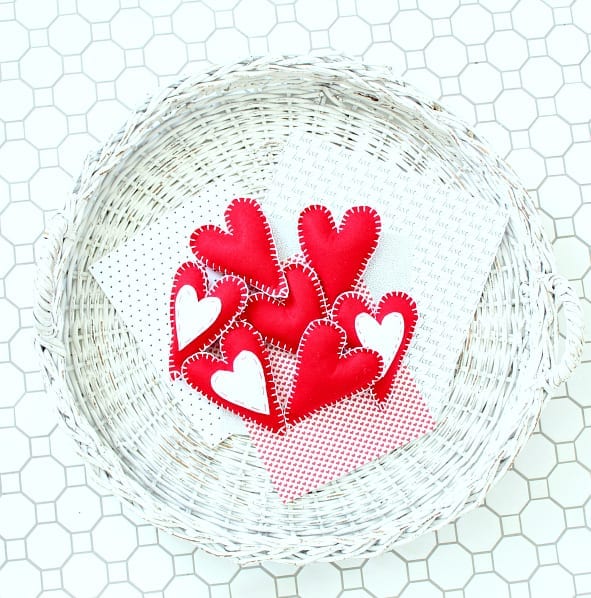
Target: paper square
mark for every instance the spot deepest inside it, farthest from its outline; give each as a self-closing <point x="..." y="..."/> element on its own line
<point x="337" y="440"/>
<point x="137" y="277"/>
<point x="448" y="238"/>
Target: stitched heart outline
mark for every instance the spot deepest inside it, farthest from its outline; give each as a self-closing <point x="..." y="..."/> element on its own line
<point x="351" y="310"/>
<point x="355" y="346"/>
<point x="230" y="294"/>
<point x="247" y="249"/>
<point x="244" y="384"/>
<point x="282" y="322"/>
<point x="338" y="255"/>
<point x="240" y="345"/>
<point x="326" y="373"/>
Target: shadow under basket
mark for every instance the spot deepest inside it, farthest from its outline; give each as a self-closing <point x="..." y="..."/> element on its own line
<point x="229" y="124"/>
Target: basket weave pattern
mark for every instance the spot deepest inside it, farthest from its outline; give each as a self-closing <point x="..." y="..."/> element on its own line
<point x="229" y="125"/>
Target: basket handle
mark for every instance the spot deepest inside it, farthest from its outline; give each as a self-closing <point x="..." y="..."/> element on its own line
<point x="563" y="366"/>
<point x="45" y="312"/>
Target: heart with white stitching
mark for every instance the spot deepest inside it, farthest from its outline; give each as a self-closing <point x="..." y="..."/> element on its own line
<point x="199" y="315"/>
<point x="244" y="384"/>
<point x="241" y="379"/>
<point x="246" y="249"/>
<point x="327" y="372"/>
<point x="339" y="254"/>
<point x="387" y="328"/>
<point x="223" y="338"/>
<point x="282" y="322"/>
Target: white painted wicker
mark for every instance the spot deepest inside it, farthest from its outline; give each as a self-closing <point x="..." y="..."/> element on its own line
<point x="230" y="123"/>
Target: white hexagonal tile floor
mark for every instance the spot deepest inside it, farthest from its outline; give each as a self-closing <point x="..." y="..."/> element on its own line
<point x="70" y="72"/>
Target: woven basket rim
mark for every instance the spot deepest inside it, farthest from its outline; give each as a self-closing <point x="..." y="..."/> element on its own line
<point x="543" y="290"/>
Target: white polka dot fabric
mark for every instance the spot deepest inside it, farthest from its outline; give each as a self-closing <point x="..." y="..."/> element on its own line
<point x="137" y="277"/>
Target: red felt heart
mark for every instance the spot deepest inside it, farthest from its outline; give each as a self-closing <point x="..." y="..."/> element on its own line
<point x="247" y="249"/>
<point x="339" y="255"/>
<point x="326" y="373"/>
<point x="283" y="322"/>
<point x="386" y="328"/>
<point x="241" y="381"/>
<point x="198" y="317"/>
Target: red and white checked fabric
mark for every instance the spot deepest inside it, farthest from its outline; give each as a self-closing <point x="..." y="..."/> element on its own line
<point x="340" y="438"/>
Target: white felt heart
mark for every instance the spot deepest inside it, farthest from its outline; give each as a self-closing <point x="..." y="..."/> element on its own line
<point x="193" y="316"/>
<point x="384" y="337"/>
<point x="244" y="385"/>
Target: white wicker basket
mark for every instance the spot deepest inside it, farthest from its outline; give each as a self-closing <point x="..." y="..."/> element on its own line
<point x="230" y="123"/>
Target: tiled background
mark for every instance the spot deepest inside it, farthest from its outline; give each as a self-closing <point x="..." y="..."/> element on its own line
<point x="70" y="72"/>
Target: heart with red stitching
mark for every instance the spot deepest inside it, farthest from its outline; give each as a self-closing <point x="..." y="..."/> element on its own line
<point x="338" y="255"/>
<point x="198" y="315"/>
<point x="282" y="322"/>
<point x="326" y="372"/>
<point x="386" y="328"/>
<point x="247" y="249"/>
<point x="241" y="380"/>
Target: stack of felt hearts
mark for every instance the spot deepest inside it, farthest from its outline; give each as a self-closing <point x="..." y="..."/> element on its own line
<point x="298" y="348"/>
